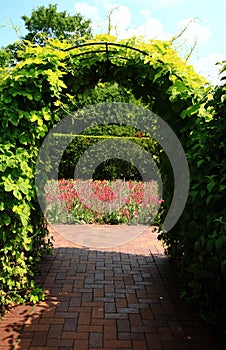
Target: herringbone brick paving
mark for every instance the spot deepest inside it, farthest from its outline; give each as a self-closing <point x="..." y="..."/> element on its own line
<point x="125" y="297"/>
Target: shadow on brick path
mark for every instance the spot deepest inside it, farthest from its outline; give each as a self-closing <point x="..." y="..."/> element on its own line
<point x="120" y="298"/>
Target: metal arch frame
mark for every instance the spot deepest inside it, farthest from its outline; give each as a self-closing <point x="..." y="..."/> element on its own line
<point x="106" y="50"/>
<point x="107" y="44"/>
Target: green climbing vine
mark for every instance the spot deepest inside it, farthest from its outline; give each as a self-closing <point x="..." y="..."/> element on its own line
<point x="49" y="82"/>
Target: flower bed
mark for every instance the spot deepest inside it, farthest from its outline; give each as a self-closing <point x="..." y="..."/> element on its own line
<point x="101" y="202"/>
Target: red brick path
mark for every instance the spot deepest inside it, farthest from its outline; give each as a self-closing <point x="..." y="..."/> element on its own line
<point x="120" y="298"/>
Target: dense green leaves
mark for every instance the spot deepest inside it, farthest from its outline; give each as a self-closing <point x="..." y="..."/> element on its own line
<point x="47" y="84"/>
<point x="47" y="22"/>
<point x="197" y="244"/>
<point x="112" y="168"/>
<point x="25" y="114"/>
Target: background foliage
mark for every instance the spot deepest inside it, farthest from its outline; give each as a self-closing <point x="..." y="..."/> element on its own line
<point x="111" y="169"/>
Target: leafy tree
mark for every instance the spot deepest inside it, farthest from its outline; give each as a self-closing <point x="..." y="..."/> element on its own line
<point x="43" y="24"/>
<point x="47" y="22"/>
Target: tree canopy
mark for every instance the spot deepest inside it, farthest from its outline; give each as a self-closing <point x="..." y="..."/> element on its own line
<point x="47" y="22"/>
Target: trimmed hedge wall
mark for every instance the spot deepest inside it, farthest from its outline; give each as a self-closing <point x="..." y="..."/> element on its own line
<point x="109" y="170"/>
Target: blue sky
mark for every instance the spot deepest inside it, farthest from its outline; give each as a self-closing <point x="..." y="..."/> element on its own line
<point x="160" y="19"/>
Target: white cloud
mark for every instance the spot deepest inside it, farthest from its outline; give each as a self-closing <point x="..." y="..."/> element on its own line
<point x="207" y="67"/>
<point x="121" y="20"/>
<point x="156" y="4"/>
<point x="159" y="4"/>
<point x="194" y="31"/>
<point x="90" y="12"/>
<point x="169" y="2"/>
<point x="120" y="17"/>
<point x="166" y="3"/>
<point x="87" y="10"/>
<point x="146" y="13"/>
<point x="152" y="28"/>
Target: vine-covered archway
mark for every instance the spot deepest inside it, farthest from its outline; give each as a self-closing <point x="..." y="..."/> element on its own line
<point x="38" y="91"/>
<point x="153" y="72"/>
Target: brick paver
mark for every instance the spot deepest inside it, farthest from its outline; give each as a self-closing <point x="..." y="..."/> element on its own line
<point x="125" y="297"/>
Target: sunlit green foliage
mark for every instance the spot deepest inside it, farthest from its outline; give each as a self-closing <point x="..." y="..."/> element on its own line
<point x="46" y="22"/>
<point x="197" y="244"/>
<point x="47" y="84"/>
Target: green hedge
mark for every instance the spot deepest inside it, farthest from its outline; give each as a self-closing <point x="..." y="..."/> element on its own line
<point x="110" y="169"/>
